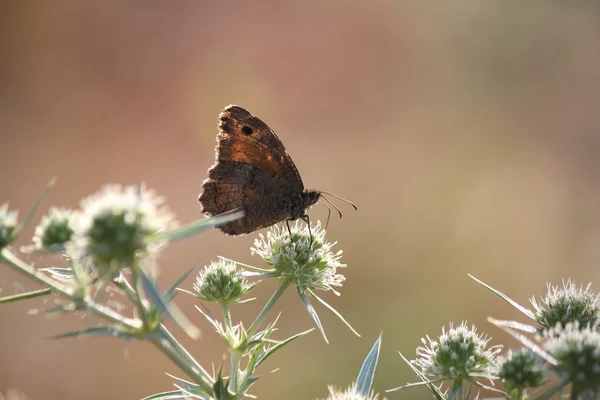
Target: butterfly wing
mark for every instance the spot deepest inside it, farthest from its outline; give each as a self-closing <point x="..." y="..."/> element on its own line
<point x="245" y="138"/>
<point x="252" y="171"/>
<point x="234" y="185"/>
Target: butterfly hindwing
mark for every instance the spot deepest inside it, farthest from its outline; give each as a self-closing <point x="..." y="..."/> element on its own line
<point x="236" y="185"/>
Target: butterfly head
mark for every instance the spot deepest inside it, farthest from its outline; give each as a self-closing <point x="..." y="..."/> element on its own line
<point x="302" y="202"/>
<point x="311" y="197"/>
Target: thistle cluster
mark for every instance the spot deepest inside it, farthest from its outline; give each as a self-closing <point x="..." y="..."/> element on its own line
<point x="116" y="234"/>
<point x="569" y="353"/>
<point x="458" y="354"/>
<point x="124" y="228"/>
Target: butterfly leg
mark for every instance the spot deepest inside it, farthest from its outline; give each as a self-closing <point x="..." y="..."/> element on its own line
<point x="287" y="223"/>
<point x="306" y="219"/>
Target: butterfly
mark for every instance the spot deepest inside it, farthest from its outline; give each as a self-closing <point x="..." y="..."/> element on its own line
<point x="254" y="172"/>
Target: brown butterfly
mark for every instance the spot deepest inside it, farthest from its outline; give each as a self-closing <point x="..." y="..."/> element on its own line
<point x="254" y="172"/>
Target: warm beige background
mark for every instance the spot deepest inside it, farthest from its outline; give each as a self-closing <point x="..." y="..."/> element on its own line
<point x="466" y="131"/>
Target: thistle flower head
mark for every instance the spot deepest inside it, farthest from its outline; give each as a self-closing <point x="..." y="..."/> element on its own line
<point x="55" y="229"/>
<point x="577" y="351"/>
<point x="309" y="264"/>
<point x="116" y="225"/>
<point x="8" y="225"/>
<point x="222" y="282"/>
<point x="521" y="369"/>
<point x="567" y="304"/>
<point x="350" y="393"/>
<point x="458" y="354"/>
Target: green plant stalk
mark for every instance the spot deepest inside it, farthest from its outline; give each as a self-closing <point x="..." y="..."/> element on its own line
<point x="232" y="342"/>
<point x="164" y="341"/>
<point x="134" y="293"/>
<point x="519" y="394"/>
<point x="283" y="285"/>
<point x="105" y="312"/>
<point x="162" y="338"/>
<point x="18" y="265"/>
<point x="236" y="357"/>
<point x="227" y="318"/>
<point x="31" y="295"/>
<point x="575" y="392"/>
<point x="126" y="287"/>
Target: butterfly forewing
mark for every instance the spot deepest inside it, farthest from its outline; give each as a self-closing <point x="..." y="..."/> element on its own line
<point x="245" y="138"/>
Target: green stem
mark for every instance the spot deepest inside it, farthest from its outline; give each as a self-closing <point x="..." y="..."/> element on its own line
<point x="130" y="292"/>
<point x="133" y="292"/>
<point x="123" y="284"/>
<point x="520" y="394"/>
<point x="232" y="344"/>
<point x="111" y="315"/>
<point x="166" y="342"/>
<point x="18" y="265"/>
<point x="26" y="296"/>
<point x="227" y="318"/>
<point x="108" y="313"/>
<point x="235" y="369"/>
<point x="161" y="339"/>
<point x="283" y="285"/>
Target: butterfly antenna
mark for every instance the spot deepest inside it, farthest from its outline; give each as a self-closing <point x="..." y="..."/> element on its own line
<point x="340" y="198"/>
<point x="333" y="205"/>
<point x="328" y="214"/>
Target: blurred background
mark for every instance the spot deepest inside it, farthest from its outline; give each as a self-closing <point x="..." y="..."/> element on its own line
<point x="466" y="131"/>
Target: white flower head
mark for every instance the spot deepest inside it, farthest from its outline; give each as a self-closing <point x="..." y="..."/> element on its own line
<point x="458" y="354"/>
<point x="350" y="393"/>
<point x="8" y="225"/>
<point x="305" y="260"/>
<point x="521" y="369"/>
<point x="577" y="351"/>
<point x="117" y="224"/>
<point x="567" y="304"/>
<point x="222" y="282"/>
<point x="55" y="229"/>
